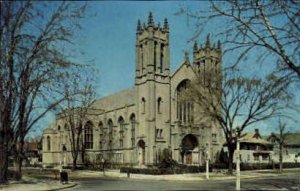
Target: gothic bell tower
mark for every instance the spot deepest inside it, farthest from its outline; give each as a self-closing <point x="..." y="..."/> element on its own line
<point x="207" y="61"/>
<point x="152" y="51"/>
<point x="152" y="83"/>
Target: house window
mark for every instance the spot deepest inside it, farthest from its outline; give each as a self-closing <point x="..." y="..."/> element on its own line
<point x="58" y="128"/>
<point x="248" y="157"/>
<point x="48" y="143"/>
<point x="265" y="157"/>
<point x="256" y="157"/>
<point x="132" y="121"/>
<point x="88" y="135"/>
<point x="121" y="130"/>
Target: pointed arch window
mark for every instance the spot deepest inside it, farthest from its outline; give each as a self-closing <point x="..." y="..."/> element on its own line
<point x="161" y="57"/>
<point x="132" y="122"/>
<point x="110" y="134"/>
<point x="101" y="136"/>
<point x="66" y="127"/>
<point x="159" y="102"/>
<point x="88" y="135"/>
<point x="121" y="131"/>
<point x="143" y="105"/>
<point x="155" y="55"/>
<point x="185" y="107"/>
<point x="142" y="58"/>
<point x="48" y="143"/>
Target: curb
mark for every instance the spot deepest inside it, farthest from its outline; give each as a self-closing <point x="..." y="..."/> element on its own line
<point x="61" y="188"/>
<point x="253" y="176"/>
<point x="52" y="189"/>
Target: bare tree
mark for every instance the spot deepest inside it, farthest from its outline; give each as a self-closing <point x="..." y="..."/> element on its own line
<point x="31" y="61"/>
<point x="269" y="29"/>
<point x="76" y="109"/>
<point x="232" y="100"/>
<point x="281" y="142"/>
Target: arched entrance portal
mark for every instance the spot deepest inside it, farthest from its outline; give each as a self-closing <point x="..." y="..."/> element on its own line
<point x="188" y="144"/>
<point x="141" y="152"/>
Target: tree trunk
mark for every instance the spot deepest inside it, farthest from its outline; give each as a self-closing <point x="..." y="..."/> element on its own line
<point x="5" y="136"/>
<point x="230" y="159"/>
<point x="3" y="164"/>
<point x="18" y="168"/>
<point x="280" y="158"/>
<point x="18" y="159"/>
<point x="74" y="165"/>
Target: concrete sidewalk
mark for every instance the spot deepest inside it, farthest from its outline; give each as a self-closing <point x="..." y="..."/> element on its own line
<point x="177" y="177"/>
<point x="32" y="184"/>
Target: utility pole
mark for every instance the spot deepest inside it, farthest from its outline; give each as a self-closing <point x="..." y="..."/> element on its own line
<point x="238" y="175"/>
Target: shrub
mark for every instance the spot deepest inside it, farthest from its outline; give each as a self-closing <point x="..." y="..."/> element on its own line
<point x="179" y="169"/>
<point x="14" y="175"/>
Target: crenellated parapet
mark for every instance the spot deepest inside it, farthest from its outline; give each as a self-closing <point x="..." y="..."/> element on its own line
<point x="151" y="26"/>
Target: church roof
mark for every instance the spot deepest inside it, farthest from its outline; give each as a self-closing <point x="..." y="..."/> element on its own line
<point x="120" y="99"/>
<point x="184" y="63"/>
<point x="50" y="129"/>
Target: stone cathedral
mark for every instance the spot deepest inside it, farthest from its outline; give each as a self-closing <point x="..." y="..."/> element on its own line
<point x="137" y="125"/>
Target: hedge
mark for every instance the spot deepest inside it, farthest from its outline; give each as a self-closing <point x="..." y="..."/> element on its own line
<point x="162" y="171"/>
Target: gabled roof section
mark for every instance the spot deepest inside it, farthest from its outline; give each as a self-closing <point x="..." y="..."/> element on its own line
<point x="185" y="63"/>
<point x="120" y="99"/>
<point x="50" y="129"/>
<point x="252" y="137"/>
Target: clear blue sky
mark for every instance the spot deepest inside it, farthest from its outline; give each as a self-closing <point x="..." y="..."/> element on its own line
<point x="108" y="38"/>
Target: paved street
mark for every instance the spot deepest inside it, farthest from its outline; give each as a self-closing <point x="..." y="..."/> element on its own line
<point x="283" y="182"/>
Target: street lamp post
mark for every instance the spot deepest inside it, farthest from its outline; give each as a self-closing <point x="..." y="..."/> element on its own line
<point x="103" y="163"/>
<point x="238" y="174"/>
<point x="207" y="161"/>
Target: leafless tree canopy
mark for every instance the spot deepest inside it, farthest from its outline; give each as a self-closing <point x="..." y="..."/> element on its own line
<point x="233" y="100"/>
<point x="32" y="61"/>
<point x="265" y="28"/>
<point x="75" y="111"/>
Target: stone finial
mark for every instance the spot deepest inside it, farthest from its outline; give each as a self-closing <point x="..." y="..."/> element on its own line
<point x="186" y="56"/>
<point x="158" y="24"/>
<point x="219" y="45"/>
<point x="166" y="24"/>
<point x="150" y="20"/>
<point x="195" y="46"/>
<point x="207" y="44"/>
<point x="139" y="26"/>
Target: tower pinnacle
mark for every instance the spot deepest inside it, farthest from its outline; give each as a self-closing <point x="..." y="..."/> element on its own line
<point x="150" y="20"/>
<point x="219" y="45"/>
<point x="207" y="44"/>
<point x="166" y="24"/>
<point x="139" y="26"/>
<point x="195" y="46"/>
